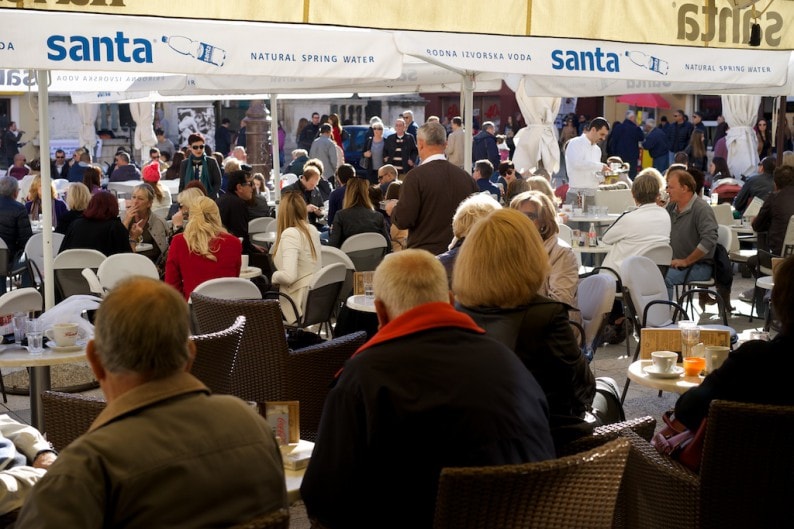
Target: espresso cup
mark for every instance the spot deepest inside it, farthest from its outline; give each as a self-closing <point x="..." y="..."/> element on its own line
<point x="715" y="356"/>
<point x="64" y="334"/>
<point x="664" y="361"/>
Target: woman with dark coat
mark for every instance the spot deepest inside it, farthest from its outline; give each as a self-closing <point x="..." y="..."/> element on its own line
<point x="100" y="228"/>
<point x="357" y="215"/>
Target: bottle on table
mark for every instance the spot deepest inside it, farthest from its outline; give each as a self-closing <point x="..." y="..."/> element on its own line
<point x="592" y="235"/>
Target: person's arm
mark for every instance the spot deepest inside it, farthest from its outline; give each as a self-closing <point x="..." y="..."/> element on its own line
<point x="740" y="202"/>
<point x="289" y="249"/>
<point x="335" y="238"/>
<point x="449" y="150"/>
<point x="405" y="212"/>
<point x="26" y="439"/>
<point x="564" y="277"/>
<point x="570" y="362"/>
<point x="763" y="220"/>
<point x="173" y="273"/>
<point x="578" y="158"/>
<point x="384" y="230"/>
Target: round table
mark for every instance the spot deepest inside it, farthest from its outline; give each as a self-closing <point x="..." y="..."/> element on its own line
<point x="600" y="249"/>
<point x="250" y="272"/>
<point x="675" y="385"/>
<point x="143" y="247"/>
<point x="361" y="303"/>
<point x="609" y="218"/>
<point x="12" y="355"/>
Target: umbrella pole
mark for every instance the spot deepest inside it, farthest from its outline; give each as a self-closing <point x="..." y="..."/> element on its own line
<point x="46" y="185"/>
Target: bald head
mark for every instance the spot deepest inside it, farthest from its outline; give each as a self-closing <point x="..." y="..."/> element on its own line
<point x="142" y="327"/>
<point x="408" y="279"/>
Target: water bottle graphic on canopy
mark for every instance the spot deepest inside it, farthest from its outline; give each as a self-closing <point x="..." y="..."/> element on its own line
<point x="201" y="51"/>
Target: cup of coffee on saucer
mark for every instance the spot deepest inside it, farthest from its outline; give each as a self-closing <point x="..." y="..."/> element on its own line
<point x="664" y="365"/>
<point x="65" y="335"/>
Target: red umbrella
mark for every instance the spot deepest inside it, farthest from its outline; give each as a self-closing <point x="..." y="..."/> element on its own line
<point x="644" y="100"/>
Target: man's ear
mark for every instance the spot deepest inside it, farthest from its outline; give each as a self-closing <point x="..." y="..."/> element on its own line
<point x="383" y="315"/>
<point x="191" y="347"/>
<point x="93" y="360"/>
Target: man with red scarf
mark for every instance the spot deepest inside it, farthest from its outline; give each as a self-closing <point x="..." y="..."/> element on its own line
<point x="428" y="391"/>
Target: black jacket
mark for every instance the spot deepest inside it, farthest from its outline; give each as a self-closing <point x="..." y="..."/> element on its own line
<point x="235" y="217"/>
<point x="359" y="219"/>
<point x="311" y="197"/>
<point x="541" y="336"/>
<point x="14" y="225"/>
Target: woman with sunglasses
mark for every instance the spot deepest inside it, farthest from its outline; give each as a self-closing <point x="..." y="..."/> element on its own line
<point x="200" y="166"/>
<point x="373" y="151"/>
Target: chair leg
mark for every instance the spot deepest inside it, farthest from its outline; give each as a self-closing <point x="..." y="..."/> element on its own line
<point x="3" y="388"/>
<point x="628" y="380"/>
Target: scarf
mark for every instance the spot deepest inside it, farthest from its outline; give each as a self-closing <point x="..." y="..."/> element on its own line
<point x="203" y="175"/>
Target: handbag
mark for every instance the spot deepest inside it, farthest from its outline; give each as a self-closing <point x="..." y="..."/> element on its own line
<point x="678" y="442"/>
<point x="364" y="162"/>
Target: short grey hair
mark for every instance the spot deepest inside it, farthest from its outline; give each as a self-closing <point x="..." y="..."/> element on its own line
<point x="9" y="187"/>
<point x="488" y="125"/>
<point x="650" y="122"/>
<point x="432" y="133"/>
<point x="410" y="278"/>
<point x="630" y="114"/>
<point x="143" y="327"/>
<point x="647" y="186"/>
<point x="373" y="120"/>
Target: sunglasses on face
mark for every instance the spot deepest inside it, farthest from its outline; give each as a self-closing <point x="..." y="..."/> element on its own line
<point x="532" y="216"/>
<point x="197" y="147"/>
<point x="60" y="157"/>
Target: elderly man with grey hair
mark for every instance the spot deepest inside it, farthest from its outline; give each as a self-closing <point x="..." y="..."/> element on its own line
<point x="657" y="145"/>
<point x="164" y="452"/>
<point x="431" y="193"/>
<point x="430" y="374"/>
<point x="14" y="225"/>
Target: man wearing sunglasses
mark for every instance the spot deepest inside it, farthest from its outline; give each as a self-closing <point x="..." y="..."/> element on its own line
<point x="199" y="166"/>
<point x="59" y="168"/>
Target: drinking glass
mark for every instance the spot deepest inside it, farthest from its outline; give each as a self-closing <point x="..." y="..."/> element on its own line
<point x="20" y="323"/>
<point x="35" y="337"/>
<point x="690" y="337"/>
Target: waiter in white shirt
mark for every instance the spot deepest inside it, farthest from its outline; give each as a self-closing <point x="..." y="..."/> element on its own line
<point x="583" y="161"/>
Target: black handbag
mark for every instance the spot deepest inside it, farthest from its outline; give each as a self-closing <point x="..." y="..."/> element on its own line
<point x="364" y="162"/>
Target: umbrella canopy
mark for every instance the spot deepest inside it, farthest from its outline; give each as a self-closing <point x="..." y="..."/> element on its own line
<point x="644" y="100"/>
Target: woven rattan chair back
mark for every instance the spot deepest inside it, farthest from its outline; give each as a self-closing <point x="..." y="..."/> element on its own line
<point x="216" y="354"/>
<point x="274" y="520"/>
<point x="67" y="416"/>
<point x="574" y="491"/>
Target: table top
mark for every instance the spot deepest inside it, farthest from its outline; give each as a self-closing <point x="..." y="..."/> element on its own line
<point x="601" y="248"/>
<point x="742" y="229"/>
<point x="765" y="282"/>
<point x="361" y="303"/>
<point x="12" y="355"/>
<point x="143" y="247"/>
<point x="265" y="236"/>
<point x="250" y="272"/>
<point x="600" y="219"/>
<point x="674" y="385"/>
<point x="294" y="478"/>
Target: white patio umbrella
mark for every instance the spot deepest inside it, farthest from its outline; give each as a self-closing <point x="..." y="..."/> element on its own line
<point x="740" y="113"/>
<point x="145" y="139"/>
<point x="88" y="114"/>
<point x="538" y="141"/>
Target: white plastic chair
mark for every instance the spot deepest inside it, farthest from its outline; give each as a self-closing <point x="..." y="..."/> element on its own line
<point x="26" y="299"/>
<point x="229" y="288"/>
<point x="332" y="255"/>
<point x="67" y="268"/>
<point x="366" y="250"/>
<point x="34" y="253"/>
<point x="261" y="225"/>
<point x="566" y="233"/>
<point x="122" y="266"/>
<point x="595" y="295"/>
<point x="723" y="213"/>
<point x="661" y="255"/>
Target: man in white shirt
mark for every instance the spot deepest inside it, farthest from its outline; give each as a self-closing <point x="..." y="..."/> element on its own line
<point x="583" y="160"/>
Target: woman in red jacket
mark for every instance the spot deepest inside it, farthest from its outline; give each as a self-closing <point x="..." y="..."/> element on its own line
<point x="204" y="251"/>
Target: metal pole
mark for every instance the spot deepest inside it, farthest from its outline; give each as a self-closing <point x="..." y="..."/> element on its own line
<point x="468" y="95"/>
<point x="276" y="147"/>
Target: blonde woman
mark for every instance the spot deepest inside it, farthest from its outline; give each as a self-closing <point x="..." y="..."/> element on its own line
<point x="33" y="203"/>
<point x="563" y="278"/>
<point x="296" y="253"/>
<point x="143" y="225"/>
<point x="469" y="212"/>
<point x="204" y="251"/>
<point x="77" y="198"/>
<point x="498" y="274"/>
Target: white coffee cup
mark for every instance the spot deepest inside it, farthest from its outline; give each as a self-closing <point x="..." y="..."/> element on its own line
<point x="664" y="361"/>
<point x="64" y="334"/>
<point x="715" y="356"/>
<point x="244" y="262"/>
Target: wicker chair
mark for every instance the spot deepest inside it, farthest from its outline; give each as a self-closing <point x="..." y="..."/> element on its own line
<point x="67" y="416"/>
<point x="274" y="520"/>
<point x="745" y="476"/>
<point x="266" y="369"/>
<point x="216" y="354"/>
<point x="643" y="427"/>
<point x="574" y="491"/>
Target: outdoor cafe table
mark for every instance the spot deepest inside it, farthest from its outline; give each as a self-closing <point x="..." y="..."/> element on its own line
<point x="607" y="219"/>
<point x="268" y="237"/>
<point x="678" y="384"/>
<point x="13" y="355"/>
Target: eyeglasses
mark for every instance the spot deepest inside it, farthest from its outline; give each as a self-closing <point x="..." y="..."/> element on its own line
<point x="532" y="216"/>
<point x="377" y="128"/>
<point x="156" y="157"/>
<point x="60" y="157"/>
<point x="197" y="147"/>
<point x="510" y="171"/>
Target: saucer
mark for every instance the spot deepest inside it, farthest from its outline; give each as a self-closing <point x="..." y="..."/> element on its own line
<point x="79" y="345"/>
<point x="651" y="371"/>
